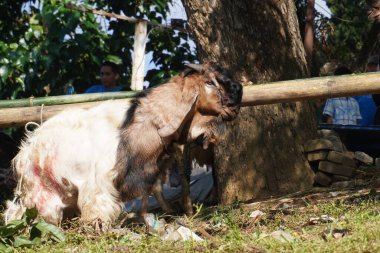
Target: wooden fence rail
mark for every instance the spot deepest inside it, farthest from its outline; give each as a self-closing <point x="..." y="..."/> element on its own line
<point x="270" y="93"/>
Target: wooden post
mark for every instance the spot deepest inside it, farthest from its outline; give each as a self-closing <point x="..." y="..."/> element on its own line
<point x="139" y="55"/>
<point x="309" y="33"/>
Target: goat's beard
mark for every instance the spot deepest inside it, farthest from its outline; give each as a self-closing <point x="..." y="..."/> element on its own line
<point x="215" y="132"/>
<point x="230" y="113"/>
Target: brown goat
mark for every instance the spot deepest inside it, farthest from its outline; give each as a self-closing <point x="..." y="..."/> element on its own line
<point x="189" y="108"/>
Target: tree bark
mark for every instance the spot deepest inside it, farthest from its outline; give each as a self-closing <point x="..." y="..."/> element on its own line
<point x="259" y="41"/>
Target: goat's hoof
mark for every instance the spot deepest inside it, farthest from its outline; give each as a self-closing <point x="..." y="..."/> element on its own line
<point x="188" y="208"/>
<point x="100" y="226"/>
<point x="168" y="211"/>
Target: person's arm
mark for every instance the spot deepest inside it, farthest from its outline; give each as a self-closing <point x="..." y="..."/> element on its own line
<point x="328" y="111"/>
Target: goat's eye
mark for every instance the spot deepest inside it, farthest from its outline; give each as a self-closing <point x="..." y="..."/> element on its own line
<point x="210" y="84"/>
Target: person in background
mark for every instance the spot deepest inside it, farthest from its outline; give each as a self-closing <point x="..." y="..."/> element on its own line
<point x="366" y="102"/>
<point x="109" y="75"/>
<point x="343" y="110"/>
<point x="69" y="89"/>
<point x="319" y="104"/>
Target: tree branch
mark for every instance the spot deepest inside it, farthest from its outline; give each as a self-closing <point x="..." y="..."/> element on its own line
<point x="122" y="17"/>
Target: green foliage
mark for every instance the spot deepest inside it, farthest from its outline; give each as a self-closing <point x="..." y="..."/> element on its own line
<point x="341" y="37"/>
<point x="28" y="231"/>
<point x="350" y="29"/>
<point x="46" y="46"/>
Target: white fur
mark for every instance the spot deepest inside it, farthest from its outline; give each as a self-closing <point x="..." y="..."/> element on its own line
<point x="68" y="163"/>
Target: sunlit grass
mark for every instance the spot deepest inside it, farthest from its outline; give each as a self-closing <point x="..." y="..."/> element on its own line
<point x="230" y="229"/>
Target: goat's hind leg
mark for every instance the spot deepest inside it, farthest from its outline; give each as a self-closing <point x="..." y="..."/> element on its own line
<point x="158" y="194"/>
<point x="157" y="191"/>
<point x="99" y="206"/>
<point x="157" y="188"/>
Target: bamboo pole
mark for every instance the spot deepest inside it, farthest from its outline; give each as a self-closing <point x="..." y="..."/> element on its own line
<point x="65" y="99"/>
<point x="312" y="88"/>
<point x="12" y="117"/>
<point x="271" y="93"/>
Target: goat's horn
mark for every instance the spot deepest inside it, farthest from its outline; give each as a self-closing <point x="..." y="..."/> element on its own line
<point x="196" y="67"/>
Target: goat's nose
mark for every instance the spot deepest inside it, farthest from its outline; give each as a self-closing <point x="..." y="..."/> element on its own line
<point x="237" y="86"/>
<point x="232" y="102"/>
<point x="234" y="99"/>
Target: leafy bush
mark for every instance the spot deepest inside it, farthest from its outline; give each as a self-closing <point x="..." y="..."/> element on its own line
<point x="28" y="231"/>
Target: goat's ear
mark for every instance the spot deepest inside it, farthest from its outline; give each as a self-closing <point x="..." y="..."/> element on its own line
<point x="181" y="110"/>
<point x="191" y="68"/>
<point x="196" y="67"/>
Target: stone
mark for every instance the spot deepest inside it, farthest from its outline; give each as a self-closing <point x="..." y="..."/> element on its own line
<point x="319" y="144"/>
<point x="338" y="178"/>
<point x="343" y="184"/>
<point x="341" y="158"/>
<point x="377" y="163"/>
<point x="336" y="169"/>
<point x="317" y="155"/>
<point x="363" y="157"/>
<point x="322" y="179"/>
<point x="256" y="215"/>
<point x="282" y="236"/>
<point x="350" y="154"/>
<point x="338" y="144"/>
<point x="323" y="133"/>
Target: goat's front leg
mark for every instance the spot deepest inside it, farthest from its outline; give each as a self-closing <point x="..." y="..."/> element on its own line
<point x="185" y="172"/>
<point x="144" y="205"/>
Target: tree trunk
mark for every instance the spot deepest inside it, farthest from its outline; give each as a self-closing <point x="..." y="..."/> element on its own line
<point x="259" y="41"/>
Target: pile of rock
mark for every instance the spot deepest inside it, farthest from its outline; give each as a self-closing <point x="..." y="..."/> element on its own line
<point x="332" y="163"/>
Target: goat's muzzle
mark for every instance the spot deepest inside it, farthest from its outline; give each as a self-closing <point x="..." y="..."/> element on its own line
<point x="230" y="113"/>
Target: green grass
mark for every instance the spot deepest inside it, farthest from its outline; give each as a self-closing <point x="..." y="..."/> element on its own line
<point x="230" y="229"/>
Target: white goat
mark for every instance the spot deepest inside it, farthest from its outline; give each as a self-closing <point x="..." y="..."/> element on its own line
<point x="65" y="166"/>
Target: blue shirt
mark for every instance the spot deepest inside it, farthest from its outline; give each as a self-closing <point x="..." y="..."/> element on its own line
<point x="102" y="88"/>
<point x="344" y="110"/>
<point x="367" y="109"/>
